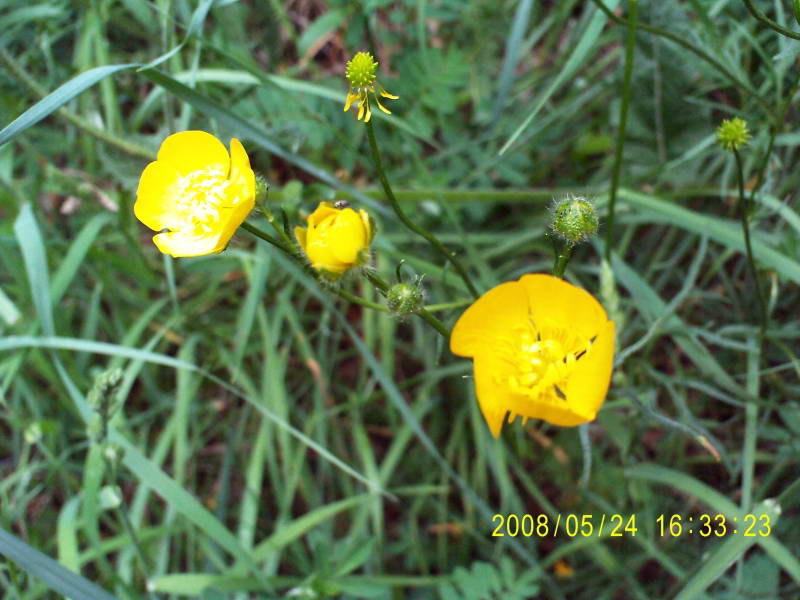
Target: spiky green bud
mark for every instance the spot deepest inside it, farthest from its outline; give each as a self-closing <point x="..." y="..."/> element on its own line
<point x="405" y="299"/>
<point x="574" y="219"/>
<point x="361" y="70"/>
<point x="732" y="134"/>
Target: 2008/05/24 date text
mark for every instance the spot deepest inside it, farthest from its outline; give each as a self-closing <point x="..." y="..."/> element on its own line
<point x="616" y="525"/>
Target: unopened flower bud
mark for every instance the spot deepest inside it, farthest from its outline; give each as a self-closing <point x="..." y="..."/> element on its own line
<point x="574" y="219"/>
<point x="405" y="298"/>
<point x="262" y="187"/>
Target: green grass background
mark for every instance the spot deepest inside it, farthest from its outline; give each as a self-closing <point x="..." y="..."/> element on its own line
<point x="276" y="441"/>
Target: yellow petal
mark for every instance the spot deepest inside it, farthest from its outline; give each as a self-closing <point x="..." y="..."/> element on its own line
<point x="320" y="251"/>
<point x="495" y="313"/>
<point x="322" y="212"/>
<point x="231" y="217"/>
<point x="155" y="197"/>
<point x="367" y="225"/>
<point x="300" y="234"/>
<point x="553" y="299"/>
<point x="347" y="236"/>
<point x="188" y="151"/>
<point x="587" y="386"/>
<point x="382" y="107"/>
<point x="493" y="399"/>
<point x="386" y="94"/>
<point x="349" y="101"/>
<point x="180" y="244"/>
<point x="241" y="173"/>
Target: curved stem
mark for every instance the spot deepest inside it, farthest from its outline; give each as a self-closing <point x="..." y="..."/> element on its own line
<point x="691" y="48"/>
<point x="630" y="42"/>
<point x="744" y="217"/>
<point x="265" y="210"/>
<point x="387" y="188"/>
<point x="267" y="238"/>
<point x="769" y="22"/>
<point x="293" y="254"/>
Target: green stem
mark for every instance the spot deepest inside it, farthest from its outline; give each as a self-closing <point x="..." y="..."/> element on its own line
<point x="259" y="233"/>
<point x="422" y="313"/>
<point x="128" y="525"/>
<point x="633" y="6"/>
<point x="562" y="258"/>
<point x="774" y="130"/>
<point x="448" y="305"/>
<point x="387" y="188"/>
<point x="359" y="300"/>
<point x="282" y="245"/>
<point x="744" y="217"/>
<point x="262" y="204"/>
<point x="769" y="22"/>
<point x="691" y="48"/>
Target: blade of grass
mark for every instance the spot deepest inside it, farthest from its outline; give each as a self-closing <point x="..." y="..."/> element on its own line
<point x="50" y="572"/>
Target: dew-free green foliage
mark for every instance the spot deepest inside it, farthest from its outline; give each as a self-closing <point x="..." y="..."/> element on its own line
<point x="274" y="439"/>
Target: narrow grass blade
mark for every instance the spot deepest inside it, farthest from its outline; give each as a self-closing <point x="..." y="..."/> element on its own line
<point x="30" y="241"/>
<point x="576" y="59"/>
<point x="50" y="572"/>
<point x="58" y="98"/>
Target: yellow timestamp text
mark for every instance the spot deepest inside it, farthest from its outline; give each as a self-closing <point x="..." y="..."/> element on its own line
<point x="717" y="525"/>
<point x="571" y="525"/>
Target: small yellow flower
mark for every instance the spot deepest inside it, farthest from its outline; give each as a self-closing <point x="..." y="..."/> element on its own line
<point x="197" y="191"/>
<point x="337" y="239"/>
<point x="361" y="73"/>
<point x="542" y="348"/>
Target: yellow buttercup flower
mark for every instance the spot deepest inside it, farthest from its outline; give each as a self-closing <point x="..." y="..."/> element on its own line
<point x="542" y="348"/>
<point x="197" y="191"/>
<point x="361" y="73"/>
<point x="337" y="238"/>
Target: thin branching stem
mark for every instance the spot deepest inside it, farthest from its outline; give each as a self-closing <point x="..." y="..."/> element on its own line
<point x="744" y="218"/>
<point x="769" y="22"/>
<point x="418" y="229"/>
<point x="691" y="48"/>
<point x="630" y="43"/>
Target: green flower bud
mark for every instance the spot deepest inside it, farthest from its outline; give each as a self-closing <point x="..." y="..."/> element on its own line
<point x="262" y="187"/>
<point x="405" y="299"/>
<point x="574" y="219"/>
<point x="102" y="396"/>
<point x="110" y="497"/>
<point x="732" y="134"/>
<point x="112" y="452"/>
<point x="33" y="433"/>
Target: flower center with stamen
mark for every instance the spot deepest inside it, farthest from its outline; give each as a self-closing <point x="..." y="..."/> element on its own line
<point x="201" y="195"/>
<point x="543" y="359"/>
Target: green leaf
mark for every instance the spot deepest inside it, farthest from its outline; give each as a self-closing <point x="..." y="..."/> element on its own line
<point x="50" y="572"/>
<point x="327" y="22"/>
<point x="58" y="98"/>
